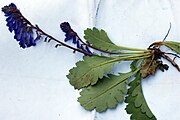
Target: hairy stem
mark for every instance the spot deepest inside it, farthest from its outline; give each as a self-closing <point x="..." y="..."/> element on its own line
<point x="104" y="51"/>
<point x="52" y="38"/>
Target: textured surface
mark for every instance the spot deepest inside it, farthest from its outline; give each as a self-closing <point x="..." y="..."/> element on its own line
<point x="99" y="39"/>
<point x="89" y="70"/>
<point x="33" y="83"/>
<point x="107" y="93"/>
<point x="137" y="105"/>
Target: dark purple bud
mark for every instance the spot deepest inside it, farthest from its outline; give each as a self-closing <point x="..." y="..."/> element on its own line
<point x="70" y="34"/>
<point x="67" y="38"/>
<point x="12" y="5"/>
<point x="74" y="40"/>
<point x="87" y="49"/>
<point x="78" y="44"/>
<point x="83" y="49"/>
<point x="37" y="38"/>
<point x="65" y="27"/>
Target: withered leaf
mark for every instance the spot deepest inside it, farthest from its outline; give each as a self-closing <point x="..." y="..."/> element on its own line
<point x="149" y="66"/>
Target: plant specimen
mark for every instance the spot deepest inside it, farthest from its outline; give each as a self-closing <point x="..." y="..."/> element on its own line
<point x="101" y="90"/>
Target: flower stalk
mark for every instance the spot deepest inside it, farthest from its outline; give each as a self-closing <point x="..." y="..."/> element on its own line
<point x="24" y="34"/>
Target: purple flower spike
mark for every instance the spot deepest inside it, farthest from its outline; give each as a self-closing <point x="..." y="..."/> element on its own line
<point x="21" y="27"/>
<point x="71" y="35"/>
<point x="65" y="26"/>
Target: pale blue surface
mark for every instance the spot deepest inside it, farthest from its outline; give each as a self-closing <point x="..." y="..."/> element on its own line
<point x="33" y="83"/>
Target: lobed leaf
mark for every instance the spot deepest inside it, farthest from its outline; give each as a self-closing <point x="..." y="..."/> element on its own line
<point x="107" y="93"/>
<point x="89" y="70"/>
<point x="100" y="39"/>
<point x="137" y="105"/>
<point x="175" y="46"/>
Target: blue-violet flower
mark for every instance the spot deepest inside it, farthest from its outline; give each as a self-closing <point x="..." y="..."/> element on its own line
<point x="22" y="28"/>
<point x="70" y="34"/>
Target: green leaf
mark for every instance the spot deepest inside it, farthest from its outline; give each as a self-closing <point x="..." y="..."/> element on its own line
<point x="175" y="46"/>
<point x="89" y="70"/>
<point x="133" y="65"/>
<point x="99" y="39"/>
<point x="137" y="105"/>
<point x="107" y="93"/>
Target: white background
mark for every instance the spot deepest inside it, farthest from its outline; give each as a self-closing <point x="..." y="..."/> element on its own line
<point x="33" y="83"/>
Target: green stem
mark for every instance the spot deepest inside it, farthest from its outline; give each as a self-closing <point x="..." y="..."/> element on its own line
<point x="140" y="52"/>
<point x="129" y="57"/>
<point x="142" y="57"/>
<point x="132" y="49"/>
<point x="125" y="54"/>
<point x="133" y="54"/>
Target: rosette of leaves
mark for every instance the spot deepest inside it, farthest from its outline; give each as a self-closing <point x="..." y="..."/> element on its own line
<point x="101" y="90"/>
